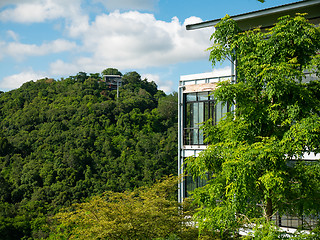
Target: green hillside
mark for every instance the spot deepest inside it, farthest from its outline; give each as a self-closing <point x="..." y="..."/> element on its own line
<point x="62" y="141"/>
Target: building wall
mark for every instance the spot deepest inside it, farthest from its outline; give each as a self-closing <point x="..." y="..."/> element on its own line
<point x="198" y="86"/>
<point x="196" y="105"/>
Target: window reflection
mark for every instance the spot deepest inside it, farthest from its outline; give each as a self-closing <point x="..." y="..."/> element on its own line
<point x="199" y="107"/>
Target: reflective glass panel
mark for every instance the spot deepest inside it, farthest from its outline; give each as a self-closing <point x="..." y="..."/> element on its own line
<point x="203" y="96"/>
<point x="191" y="97"/>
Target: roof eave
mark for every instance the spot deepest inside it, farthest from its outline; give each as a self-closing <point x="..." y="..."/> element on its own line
<point x="266" y="17"/>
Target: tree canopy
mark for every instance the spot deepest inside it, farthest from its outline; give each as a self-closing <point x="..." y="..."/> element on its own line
<point x="62" y="141"/>
<point x="255" y="154"/>
<point x="111" y="71"/>
<point x="143" y="213"/>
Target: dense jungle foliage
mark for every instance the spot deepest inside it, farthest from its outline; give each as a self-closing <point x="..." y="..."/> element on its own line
<point x="63" y="141"/>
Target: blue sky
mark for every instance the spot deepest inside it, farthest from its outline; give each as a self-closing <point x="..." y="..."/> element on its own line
<point x="59" y="38"/>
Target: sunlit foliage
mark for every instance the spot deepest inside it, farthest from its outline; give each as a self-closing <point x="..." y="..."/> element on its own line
<point x="144" y="213"/>
<point x="255" y="153"/>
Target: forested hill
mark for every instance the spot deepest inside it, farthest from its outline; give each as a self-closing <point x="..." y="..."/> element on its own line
<point x="63" y="141"/>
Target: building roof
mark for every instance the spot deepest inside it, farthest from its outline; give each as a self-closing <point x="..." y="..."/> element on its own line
<point x="267" y="17"/>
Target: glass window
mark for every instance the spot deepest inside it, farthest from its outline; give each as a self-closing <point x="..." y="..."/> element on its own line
<point x="198" y="108"/>
<point x="203" y="96"/>
<point x="189" y="82"/>
<point x="201" y="119"/>
<point x="191" y="184"/>
<point x="201" y="81"/>
<point x="221" y="110"/>
<point x="218" y="112"/>
<point x="211" y="97"/>
<point x="191" y="97"/>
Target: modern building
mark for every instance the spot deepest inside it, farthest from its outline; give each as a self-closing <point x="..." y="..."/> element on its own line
<point x="112" y="81"/>
<point x="196" y="104"/>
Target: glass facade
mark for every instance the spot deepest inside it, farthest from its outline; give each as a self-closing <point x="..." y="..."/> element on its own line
<point x="193" y="183"/>
<point x="302" y="221"/>
<point x="198" y="108"/>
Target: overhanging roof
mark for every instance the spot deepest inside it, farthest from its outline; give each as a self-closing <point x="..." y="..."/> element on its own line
<point x="267" y="17"/>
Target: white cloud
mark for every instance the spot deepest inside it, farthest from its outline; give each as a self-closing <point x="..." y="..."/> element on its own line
<point x="124" y="40"/>
<point x="16" y="80"/>
<point x="13" y="2"/>
<point x="225" y="71"/>
<point x="13" y="35"/>
<point x="31" y="11"/>
<point x="36" y="11"/>
<point x="129" y="40"/>
<point x="19" y="50"/>
<point x="134" y="40"/>
<point x="129" y="4"/>
<point x="166" y="86"/>
<point x="2" y="46"/>
<point x="60" y="67"/>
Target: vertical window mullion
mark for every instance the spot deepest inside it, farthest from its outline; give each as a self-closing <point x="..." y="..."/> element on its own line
<point x="195" y="124"/>
<point x="201" y="120"/>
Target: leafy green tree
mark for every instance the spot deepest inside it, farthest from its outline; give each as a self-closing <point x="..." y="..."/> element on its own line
<point x="255" y="156"/>
<point x="168" y="107"/>
<point x="144" y="213"/>
<point x="63" y="141"/>
<point x="81" y="76"/>
<point x="4" y="146"/>
<point x="111" y="71"/>
<point x="133" y="82"/>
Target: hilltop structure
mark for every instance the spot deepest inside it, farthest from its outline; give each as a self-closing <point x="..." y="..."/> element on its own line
<point x="113" y="82"/>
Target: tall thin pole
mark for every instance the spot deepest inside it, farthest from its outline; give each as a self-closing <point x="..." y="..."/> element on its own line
<point x="117" y="88"/>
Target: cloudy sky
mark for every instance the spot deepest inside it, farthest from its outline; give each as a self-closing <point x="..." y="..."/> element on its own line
<point x="59" y="38"/>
